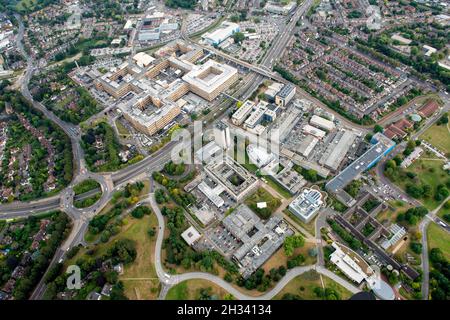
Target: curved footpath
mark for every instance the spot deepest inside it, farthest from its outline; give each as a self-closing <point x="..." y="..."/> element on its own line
<point x="168" y="280"/>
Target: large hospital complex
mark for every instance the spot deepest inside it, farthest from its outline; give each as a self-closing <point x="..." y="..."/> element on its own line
<point x="149" y="89"/>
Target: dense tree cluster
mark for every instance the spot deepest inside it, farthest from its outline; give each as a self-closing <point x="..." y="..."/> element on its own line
<point x="439" y="275"/>
<point x="121" y="200"/>
<point x="35" y="269"/>
<point x="261" y="281"/>
<point x="121" y="251"/>
<point x="161" y="196"/>
<point x="174" y="169"/>
<point x="175" y="191"/>
<point x="291" y="243"/>
<point x="327" y="293"/>
<point x="140" y="211"/>
<point x="412" y="215"/>
<point x="354" y="243"/>
<point x="185" y="4"/>
<point x="63" y="166"/>
<point x="109" y="153"/>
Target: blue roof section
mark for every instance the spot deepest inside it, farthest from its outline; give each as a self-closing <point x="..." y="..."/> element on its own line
<point x="382" y="145"/>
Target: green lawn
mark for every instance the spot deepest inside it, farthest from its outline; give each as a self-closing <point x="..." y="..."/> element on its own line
<point x="122" y="130"/>
<point x="438" y="238"/>
<point x="85" y="203"/>
<point x="428" y="171"/>
<point x="262" y="195"/>
<point x="20" y="6"/>
<point x="438" y="136"/>
<point x="85" y="186"/>
<point x="310" y="227"/>
<point x="139" y="278"/>
<point x="278" y="187"/>
<point x="304" y="285"/>
<point x="443" y="211"/>
<point x="190" y="290"/>
<point x="391" y="215"/>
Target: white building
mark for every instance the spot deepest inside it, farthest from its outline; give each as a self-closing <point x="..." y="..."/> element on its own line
<point x="428" y="51"/>
<point x="222" y="135"/>
<point x="258" y="156"/>
<point x="319" y="134"/>
<point x="142" y="59"/>
<point x="212" y="194"/>
<point x="306" y="205"/>
<point x="209" y="152"/>
<point x="219" y="35"/>
<point x="321" y="123"/>
<point x="241" y="114"/>
<point x="191" y="235"/>
<point x="348" y="265"/>
<point x="279" y="8"/>
<point x="210" y="79"/>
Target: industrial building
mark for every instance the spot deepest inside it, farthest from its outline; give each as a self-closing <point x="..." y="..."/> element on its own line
<point x="308" y="129"/>
<point x="154" y="24"/>
<point x="209" y="152"/>
<point x="397" y="233"/>
<point x="142" y="59"/>
<point x="337" y="149"/>
<point x="307" y="146"/>
<point x="276" y="7"/>
<point x="203" y="213"/>
<point x="259" y="240"/>
<point x="381" y="147"/>
<point x="306" y="205"/>
<point x="354" y="267"/>
<point x="272" y="91"/>
<point x="212" y="194"/>
<point x="259" y="155"/>
<point x="222" y="33"/>
<point x="286" y="122"/>
<point x="321" y="123"/>
<point x="255" y="117"/>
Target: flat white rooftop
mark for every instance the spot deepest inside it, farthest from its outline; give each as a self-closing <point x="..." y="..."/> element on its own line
<point x="209" y="76"/>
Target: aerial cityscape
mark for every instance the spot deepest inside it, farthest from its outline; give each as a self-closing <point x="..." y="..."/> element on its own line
<point x="224" y="150"/>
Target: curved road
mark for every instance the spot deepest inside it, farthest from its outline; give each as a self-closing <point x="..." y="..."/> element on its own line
<point x="168" y="280"/>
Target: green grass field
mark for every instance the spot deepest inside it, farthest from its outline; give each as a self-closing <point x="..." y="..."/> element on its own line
<point x="85" y="186"/>
<point x="122" y="130"/>
<point x="262" y="195"/>
<point x="278" y="187"/>
<point x="139" y="278"/>
<point x="304" y="285"/>
<point x="29" y="4"/>
<point x="438" y="136"/>
<point x="443" y="211"/>
<point x="438" y="238"/>
<point x="429" y="171"/>
<point x="190" y="290"/>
